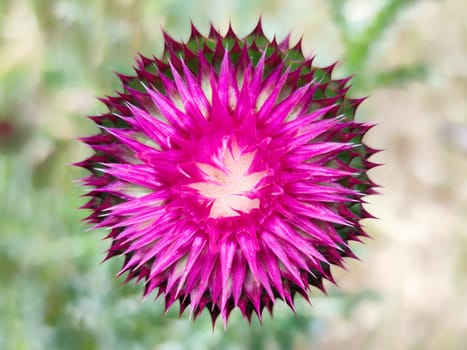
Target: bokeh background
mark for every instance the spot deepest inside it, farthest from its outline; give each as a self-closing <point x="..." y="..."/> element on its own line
<point x="409" y="290"/>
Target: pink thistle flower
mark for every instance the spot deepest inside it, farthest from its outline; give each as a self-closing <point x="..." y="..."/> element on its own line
<point x="230" y="173"/>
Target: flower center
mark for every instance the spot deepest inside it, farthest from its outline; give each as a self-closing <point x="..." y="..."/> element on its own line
<point x="228" y="181"/>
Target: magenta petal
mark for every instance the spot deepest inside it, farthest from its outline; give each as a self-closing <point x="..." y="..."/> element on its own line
<point x="227" y="254"/>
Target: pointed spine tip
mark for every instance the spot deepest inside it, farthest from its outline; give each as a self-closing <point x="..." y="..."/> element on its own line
<point x="258" y="30"/>
<point x="195" y="33"/>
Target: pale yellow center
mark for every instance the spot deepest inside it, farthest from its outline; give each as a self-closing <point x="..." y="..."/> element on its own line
<point x="229" y="183"/>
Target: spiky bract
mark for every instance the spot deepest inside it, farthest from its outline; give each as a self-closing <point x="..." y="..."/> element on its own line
<point x="230" y="173"/>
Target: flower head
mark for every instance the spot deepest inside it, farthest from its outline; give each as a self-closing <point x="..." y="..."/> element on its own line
<point x="230" y="173"/>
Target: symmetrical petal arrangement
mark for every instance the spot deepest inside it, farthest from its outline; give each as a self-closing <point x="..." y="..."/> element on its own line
<point x="230" y="173"/>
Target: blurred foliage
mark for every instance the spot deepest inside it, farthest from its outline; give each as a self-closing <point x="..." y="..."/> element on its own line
<point x="54" y="293"/>
<point x="359" y="45"/>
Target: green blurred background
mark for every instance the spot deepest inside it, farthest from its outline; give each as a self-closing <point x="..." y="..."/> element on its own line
<point x="409" y="291"/>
